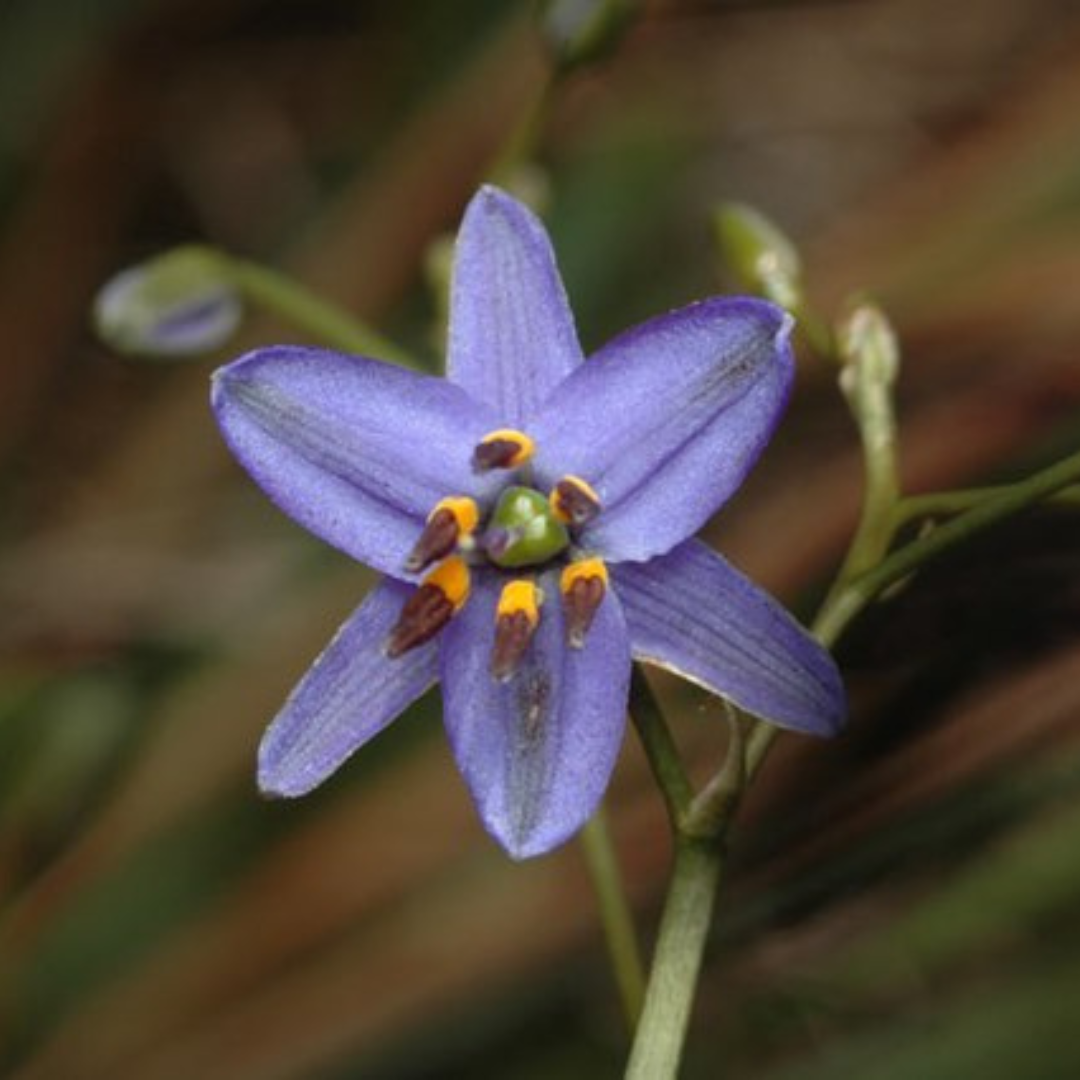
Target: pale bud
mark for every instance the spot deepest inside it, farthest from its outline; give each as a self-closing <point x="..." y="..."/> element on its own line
<point x="763" y="259"/>
<point x="867" y="343"/>
<point x="176" y="305"/>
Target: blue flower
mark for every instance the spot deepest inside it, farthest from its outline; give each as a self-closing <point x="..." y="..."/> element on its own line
<point x="532" y="515"/>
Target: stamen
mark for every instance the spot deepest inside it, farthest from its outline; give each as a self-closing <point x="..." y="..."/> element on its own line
<point x="516" y="619"/>
<point x="502" y="449"/>
<point x="451" y="521"/>
<point x="574" y="502"/>
<point x="583" y="585"/>
<point x="440" y="596"/>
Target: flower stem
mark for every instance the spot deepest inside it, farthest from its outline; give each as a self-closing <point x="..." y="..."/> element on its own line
<point x="684" y="928"/>
<point x="948" y="503"/>
<point x="659" y="747"/>
<point x="711" y="809"/>
<point x="520" y="145"/>
<point x="615" y="915"/>
<point x="701" y="824"/>
<point x="323" y="321"/>
<point x="850" y="597"/>
<point x="1010" y="500"/>
<point x="869" y="357"/>
<point x="868" y="354"/>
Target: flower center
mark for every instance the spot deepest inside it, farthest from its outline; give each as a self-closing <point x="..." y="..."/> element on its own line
<point x="525" y="531"/>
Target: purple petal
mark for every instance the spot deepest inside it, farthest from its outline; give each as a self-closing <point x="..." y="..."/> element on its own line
<point x="667" y="419"/>
<point x="538" y="750"/>
<point x="692" y="612"/>
<point x="512" y="337"/>
<point x="355" y="450"/>
<point x="348" y="695"/>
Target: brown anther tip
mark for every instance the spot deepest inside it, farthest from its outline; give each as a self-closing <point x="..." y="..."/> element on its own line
<point x="438" y="539"/>
<point x="574" y="503"/>
<point x="580" y="604"/>
<point x="393" y="648"/>
<point x="495" y="454"/>
<point x="423" y="615"/>
<point x="513" y="632"/>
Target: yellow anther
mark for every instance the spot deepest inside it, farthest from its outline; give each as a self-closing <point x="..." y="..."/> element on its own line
<point x="517" y="616"/>
<point x="521" y="596"/>
<point x="574" y="501"/>
<point x="583" y="586"/>
<point x="505" y="448"/>
<point x="582" y="571"/>
<point x="463" y="510"/>
<point x="451" y="578"/>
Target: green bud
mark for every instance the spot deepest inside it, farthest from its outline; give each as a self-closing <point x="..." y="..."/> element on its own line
<point x="867" y="343"/>
<point x="762" y="258"/>
<point x="583" y="31"/>
<point x="523" y="530"/>
<point x="176" y="305"/>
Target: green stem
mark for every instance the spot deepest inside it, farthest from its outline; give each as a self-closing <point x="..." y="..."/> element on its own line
<point x="701" y="824"/>
<point x="520" y="145"/>
<point x="615" y="915"/>
<point x="947" y="503"/>
<point x="1014" y="498"/>
<point x="659" y="747"/>
<point x="845" y="602"/>
<point x="815" y="330"/>
<point x="684" y="928"/>
<point x="323" y="321"/>
<point x="871" y="404"/>
<point x="712" y="808"/>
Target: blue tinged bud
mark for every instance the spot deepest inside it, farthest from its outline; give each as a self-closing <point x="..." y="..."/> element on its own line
<point x="177" y="305"/>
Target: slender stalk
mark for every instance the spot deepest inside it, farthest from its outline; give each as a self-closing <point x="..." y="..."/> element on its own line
<point x="815" y="330"/>
<point x="659" y="747"/>
<point x="615" y="916"/>
<point x="846" y="601"/>
<point x="680" y="946"/>
<point x="867" y="350"/>
<point x="710" y="810"/>
<point x="947" y="503"/>
<point x="1014" y="498"/>
<point x="520" y="145"/>
<point x="677" y="960"/>
<point x="323" y="321"/>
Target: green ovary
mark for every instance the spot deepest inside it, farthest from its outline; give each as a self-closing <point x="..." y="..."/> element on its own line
<point x="524" y="530"/>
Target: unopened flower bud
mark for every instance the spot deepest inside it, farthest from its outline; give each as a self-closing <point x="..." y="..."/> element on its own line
<point x="582" y="31"/>
<point x="176" y="305"/>
<point x="867" y="343"/>
<point x="762" y="258"/>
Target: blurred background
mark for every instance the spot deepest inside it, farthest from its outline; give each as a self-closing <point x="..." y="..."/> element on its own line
<point x="903" y="903"/>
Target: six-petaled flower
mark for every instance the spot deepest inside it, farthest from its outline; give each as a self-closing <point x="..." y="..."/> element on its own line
<point x="532" y="515"/>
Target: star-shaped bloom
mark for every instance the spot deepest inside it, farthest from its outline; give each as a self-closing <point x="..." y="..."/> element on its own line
<point x="532" y="514"/>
